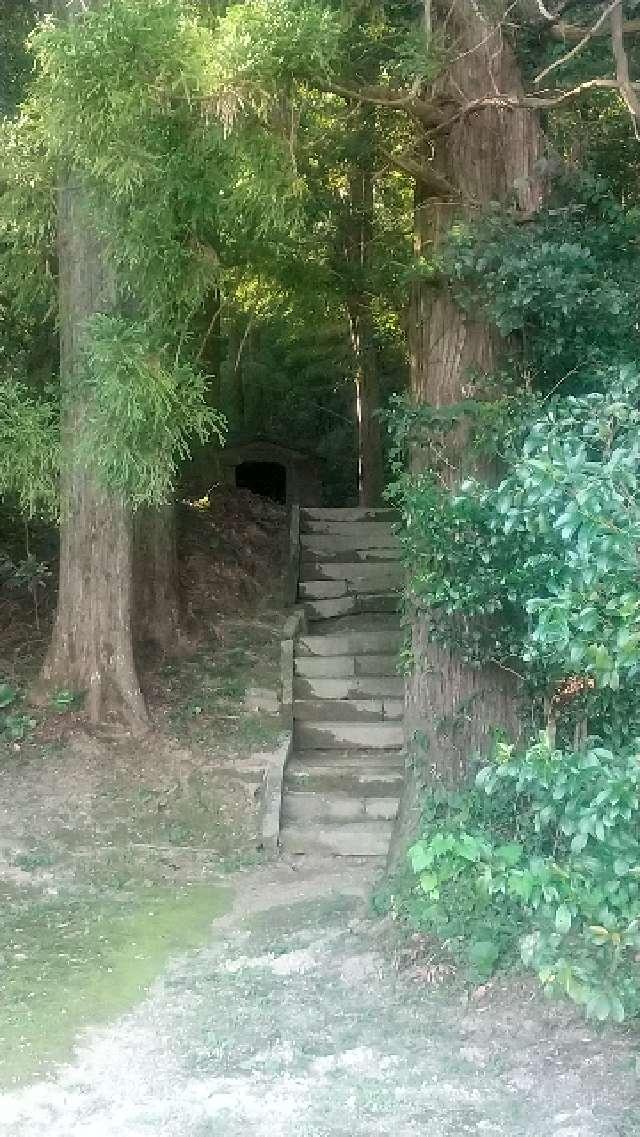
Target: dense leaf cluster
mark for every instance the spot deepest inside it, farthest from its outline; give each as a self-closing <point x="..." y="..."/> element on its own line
<point x="542" y="856"/>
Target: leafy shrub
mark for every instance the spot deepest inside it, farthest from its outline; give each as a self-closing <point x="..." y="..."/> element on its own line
<point x="543" y="854"/>
<point x="14" y="725"/>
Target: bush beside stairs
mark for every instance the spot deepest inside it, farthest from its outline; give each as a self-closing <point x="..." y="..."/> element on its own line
<point x="342" y="782"/>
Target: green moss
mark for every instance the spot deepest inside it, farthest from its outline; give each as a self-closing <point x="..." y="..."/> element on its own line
<point x="67" y="964"/>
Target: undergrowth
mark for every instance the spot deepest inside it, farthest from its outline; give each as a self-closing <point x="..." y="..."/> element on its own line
<point x="537" y="864"/>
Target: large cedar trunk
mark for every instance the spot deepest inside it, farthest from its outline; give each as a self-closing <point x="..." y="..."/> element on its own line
<point x="156" y="611"/>
<point x="91" y="649"/>
<point x="452" y="709"/>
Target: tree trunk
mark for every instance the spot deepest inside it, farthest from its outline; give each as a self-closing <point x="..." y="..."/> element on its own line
<point x="370" y="458"/>
<point x="357" y="238"/>
<point x="453" y="710"/>
<point x="91" y="649"/>
<point x="156" y="610"/>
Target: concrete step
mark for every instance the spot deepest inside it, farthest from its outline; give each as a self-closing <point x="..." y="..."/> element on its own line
<point x="354" y="735"/>
<point x="311" y="514"/>
<point x="354" y="622"/>
<point x="366" y="776"/>
<point x="348" y="552"/>
<point x="323" y="589"/>
<point x="348" y="710"/>
<point x="341" y="666"/>
<point x="384" y="642"/>
<point x="362" y="530"/>
<point x="383" y="686"/>
<point x="361" y="576"/>
<point x="329" y="609"/>
<point x="376" y="665"/>
<point x="365" y="838"/>
<point x="352" y="605"/>
<point x="311" y="809"/>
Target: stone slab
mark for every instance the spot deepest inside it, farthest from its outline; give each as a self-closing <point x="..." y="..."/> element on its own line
<point x="359" y="781"/>
<point x="382" y="808"/>
<point x="376" y="665"/>
<point x="360" y="576"/>
<point x="322" y="589"/>
<point x="310" y="514"/>
<point x="363" y="686"/>
<point x="383" y="642"/>
<point x="338" y="735"/>
<point x="358" y="839"/>
<point x="339" y="710"/>
<point x="387" y="555"/>
<point x="330" y="667"/>
<point x="329" y="609"/>
<point x="309" y="808"/>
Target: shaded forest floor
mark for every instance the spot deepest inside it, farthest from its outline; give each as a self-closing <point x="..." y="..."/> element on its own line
<point x="158" y="980"/>
<point x="290" y="1020"/>
<point x="98" y="829"/>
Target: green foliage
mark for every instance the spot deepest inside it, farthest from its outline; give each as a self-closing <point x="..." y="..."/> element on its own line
<point x="14" y="725"/>
<point x="542" y="567"/>
<point x="565" y="285"/>
<point x="262" y="46"/>
<point x="543" y="851"/>
<point x="29" y="449"/>
<point x="142" y="410"/>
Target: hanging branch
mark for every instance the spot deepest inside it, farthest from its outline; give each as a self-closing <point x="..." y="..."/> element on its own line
<point x="581" y="43"/>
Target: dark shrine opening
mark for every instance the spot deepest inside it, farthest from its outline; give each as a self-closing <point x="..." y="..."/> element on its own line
<point x="269" y="479"/>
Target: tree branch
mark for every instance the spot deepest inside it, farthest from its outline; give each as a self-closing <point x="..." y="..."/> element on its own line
<point x="406" y="100"/>
<point x="627" y="88"/>
<point x="572" y="33"/>
<point x="532" y="102"/>
<point x="604" y="16"/>
<point x="435" y="184"/>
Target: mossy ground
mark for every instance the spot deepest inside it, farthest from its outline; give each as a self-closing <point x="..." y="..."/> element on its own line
<point x="290" y="1021"/>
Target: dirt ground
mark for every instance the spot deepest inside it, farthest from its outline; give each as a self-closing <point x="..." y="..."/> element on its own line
<point x="157" y="979"/>
<point x="98" y="829"/>
<point x="291" y="1021"/>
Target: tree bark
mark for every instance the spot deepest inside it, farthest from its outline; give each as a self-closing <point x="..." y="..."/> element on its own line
<point x="370" y="458"/>
<point x="91" y="649"/>
<point x="452" y="709"/>
<point x="358" y="237"/>
<point x="156" y="608"/>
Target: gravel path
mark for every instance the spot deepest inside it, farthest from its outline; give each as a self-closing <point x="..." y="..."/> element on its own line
<point x="291" y="1023"/>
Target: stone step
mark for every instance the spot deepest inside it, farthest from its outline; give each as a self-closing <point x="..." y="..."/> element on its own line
<point x="323" y="589"/>
<point x="358" y="622"/>
<point x="367" y="642"/>
<point x="348" y="710"/>
<point x="389" y="686"/>
<point x="341" y="666"/>
<point x="373" y="576"/>
<point x="329" y="609"/>
<point x="366" y="777"/>
<point x="351" y="605"/>
<point x="309" y="808"/>
<point x="362" y="530"/>
<point x="379" y="602"/>
<point x="365" y="838"/>
<point x="378" y="759"/>
<point x="376" y="665"/>
<point x="354" y="735"/>
<point x="348" y="553"/>
<point x="310" y="514"/>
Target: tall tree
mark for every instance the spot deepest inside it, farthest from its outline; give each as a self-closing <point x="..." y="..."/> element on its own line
<point x="453" y="709"/>
<point x="91" y="648"/>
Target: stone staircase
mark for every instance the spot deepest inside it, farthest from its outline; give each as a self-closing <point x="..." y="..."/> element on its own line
<point x="342" y="782"/>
